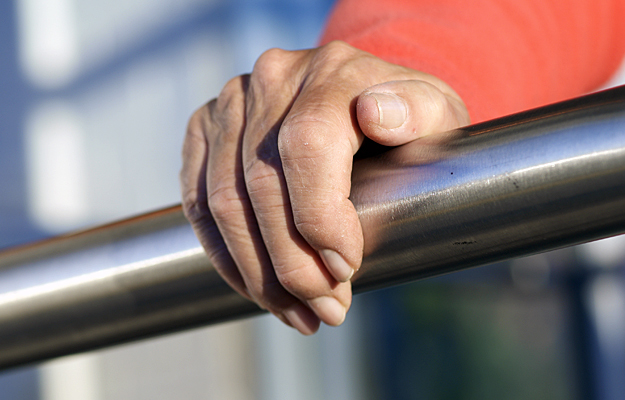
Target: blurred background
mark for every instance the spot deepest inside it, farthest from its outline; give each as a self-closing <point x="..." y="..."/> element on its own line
<point x="94" y="98"/>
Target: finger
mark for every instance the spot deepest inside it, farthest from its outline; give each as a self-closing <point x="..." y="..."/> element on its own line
<point x="195" y="203"/>
<point x="234" y="215"/>
<point x="317" y="161"/>
<point x="297" y="266"/>
<point x="394" y="113"/>
<point x="318" y="139"/>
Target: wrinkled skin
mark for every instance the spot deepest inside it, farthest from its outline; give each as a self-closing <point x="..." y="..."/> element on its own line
<point x="267" y="165"/>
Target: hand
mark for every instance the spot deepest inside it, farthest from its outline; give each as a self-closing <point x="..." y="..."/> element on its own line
<point x="267" y="165"/>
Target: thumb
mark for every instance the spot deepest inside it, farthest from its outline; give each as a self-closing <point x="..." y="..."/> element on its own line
<point x="394" y="113"/>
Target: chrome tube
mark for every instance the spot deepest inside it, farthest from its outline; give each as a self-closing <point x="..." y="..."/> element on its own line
<point x="522" y="184"/>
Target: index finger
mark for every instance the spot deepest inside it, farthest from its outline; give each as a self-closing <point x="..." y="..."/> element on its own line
<point x="317" y="142"/>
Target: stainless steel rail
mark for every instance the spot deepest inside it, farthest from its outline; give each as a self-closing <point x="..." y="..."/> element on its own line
<point x="518" y="185"/>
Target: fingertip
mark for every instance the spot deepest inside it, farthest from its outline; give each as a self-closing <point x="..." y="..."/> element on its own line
<point x="391" y="109"/>
<point x="407" y="110"/>
<point x="336" y="265"/>
<point x="382" y="116"/>
<point x="329" y="310"/>
<point x="302" y="318"/>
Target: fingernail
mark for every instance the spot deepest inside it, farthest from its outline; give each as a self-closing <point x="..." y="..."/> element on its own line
<point x="391" y="109"/>
<point x="338" y="267"/>
<point x="329" y="310"/>
<point x="301" y="318"/>
<point x="282" y="318"/>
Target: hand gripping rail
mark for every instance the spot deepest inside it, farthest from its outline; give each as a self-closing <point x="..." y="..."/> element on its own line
<point x="530" y="182"/>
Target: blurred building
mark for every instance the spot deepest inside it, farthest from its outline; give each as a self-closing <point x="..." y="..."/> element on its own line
<point x="93" y="107"/>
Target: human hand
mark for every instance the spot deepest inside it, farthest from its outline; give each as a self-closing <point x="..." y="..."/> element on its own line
<point x="267" y="165"/>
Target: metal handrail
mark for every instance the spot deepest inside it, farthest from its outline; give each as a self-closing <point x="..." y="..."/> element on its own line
<point x="534" y="181"/>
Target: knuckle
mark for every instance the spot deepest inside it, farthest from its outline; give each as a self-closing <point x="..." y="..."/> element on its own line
<point x="438" y="108"/>
<point x="318" y="224"/>
<point x="270" y="58"/>
<point x="339" y="62"/>
<point x="232" y="93"/>
<point x="443" y="113"/>
<point x="234" y="85"/>
<point x="198" y="123"/>
<point x="269" y="66"/>
<point x="433" y="93"/>
<point x="224" y="202"/>
<point x="196" y="118"/>
<point x="311" y="224"/>
<point x="301" y="137"/>
<point x="194" y="206"/>
<point x="230" y="104"/>
<point x="439" y="100"/>
<point x="337" y="48"/>
<point x="435" y="104"/>
<point x="258" y="176"/>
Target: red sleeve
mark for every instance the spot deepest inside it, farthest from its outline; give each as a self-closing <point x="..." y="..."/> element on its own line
<point x="501" y="56"/>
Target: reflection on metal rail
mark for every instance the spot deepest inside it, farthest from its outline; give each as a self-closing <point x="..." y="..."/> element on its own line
<point x="518" y="185"/>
